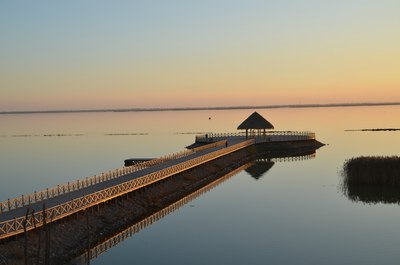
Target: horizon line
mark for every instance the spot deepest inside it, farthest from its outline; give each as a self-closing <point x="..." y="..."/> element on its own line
<point x="152" y="109"/>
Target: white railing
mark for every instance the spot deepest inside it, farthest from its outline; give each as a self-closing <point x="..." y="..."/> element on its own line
<point x="48" y="193"/>
<point x="16" y="225"/>
<point x="269" y="136"/>
<point x="211" y="137"/>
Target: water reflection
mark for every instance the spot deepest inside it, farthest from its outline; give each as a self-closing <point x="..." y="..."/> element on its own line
<point x="371" y="194"/>
<point x="260" y="166"/>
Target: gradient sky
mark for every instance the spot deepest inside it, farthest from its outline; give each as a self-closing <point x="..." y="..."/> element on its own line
<point x="121" y="54"/>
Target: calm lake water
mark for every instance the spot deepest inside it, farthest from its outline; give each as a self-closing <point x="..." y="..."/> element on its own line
<point x="295" y="213"/>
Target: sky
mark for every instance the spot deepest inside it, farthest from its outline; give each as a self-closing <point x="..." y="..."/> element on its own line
<point x="142" y="54"/>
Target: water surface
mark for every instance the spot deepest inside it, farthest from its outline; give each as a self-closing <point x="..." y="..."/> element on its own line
<point x="293" y="214"/>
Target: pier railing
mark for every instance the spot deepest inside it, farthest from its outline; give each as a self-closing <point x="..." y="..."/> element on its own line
<point x="269" y="136"/>
<point x="16" y="225"/>
<point x="38" y="196"/>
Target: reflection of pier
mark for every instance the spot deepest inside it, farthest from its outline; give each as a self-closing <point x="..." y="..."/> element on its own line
<point x="293" y="158"/>
<point x="94" y="252"/>
<point x="260" y="166"/>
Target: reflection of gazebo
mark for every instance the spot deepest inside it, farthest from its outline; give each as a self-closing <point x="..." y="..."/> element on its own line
<point x="259" y="168"/>
<point x="255" y="123"/>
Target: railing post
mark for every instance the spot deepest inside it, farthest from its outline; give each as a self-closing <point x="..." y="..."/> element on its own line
<point x="69" y="189"/>
<point x="58" y="190"/>
<point x="22" y="200"/>
<point x="35" y="196"/>
<point x="47" y="192"/>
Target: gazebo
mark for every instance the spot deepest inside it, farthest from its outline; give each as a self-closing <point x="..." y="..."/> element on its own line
<point x="255" y="123"/>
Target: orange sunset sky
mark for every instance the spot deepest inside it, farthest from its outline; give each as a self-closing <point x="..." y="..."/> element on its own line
<point x="144" y="54"/>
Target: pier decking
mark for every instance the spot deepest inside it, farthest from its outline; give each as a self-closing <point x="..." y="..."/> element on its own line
<point x="58" y="202"/>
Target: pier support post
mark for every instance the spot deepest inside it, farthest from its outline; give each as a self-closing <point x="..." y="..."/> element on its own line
<point x="26" y="238"/>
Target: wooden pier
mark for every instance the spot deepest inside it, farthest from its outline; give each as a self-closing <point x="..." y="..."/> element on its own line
<point x="31" y="211"/>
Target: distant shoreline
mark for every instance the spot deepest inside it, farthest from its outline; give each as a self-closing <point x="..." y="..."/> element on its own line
<point x="364" y="104"/>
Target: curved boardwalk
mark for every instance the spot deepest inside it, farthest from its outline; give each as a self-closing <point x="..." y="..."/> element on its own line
<point x="61" y="201"/>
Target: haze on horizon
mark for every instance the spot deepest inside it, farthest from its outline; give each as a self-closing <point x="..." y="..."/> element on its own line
<point x="145" y="54"/>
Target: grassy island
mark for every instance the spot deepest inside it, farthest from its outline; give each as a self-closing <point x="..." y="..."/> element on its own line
<point x="372" y="179"/>
<point x="373" y="170"/>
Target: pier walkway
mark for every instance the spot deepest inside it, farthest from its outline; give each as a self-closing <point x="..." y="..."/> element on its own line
<point x="34" y="210"/>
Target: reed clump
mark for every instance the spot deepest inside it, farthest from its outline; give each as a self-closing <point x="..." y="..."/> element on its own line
<point x="372" y="170"/>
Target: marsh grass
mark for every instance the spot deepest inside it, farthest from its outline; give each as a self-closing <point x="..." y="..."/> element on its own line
<point x="372" y="179"/>
<point x="372" y="170"/>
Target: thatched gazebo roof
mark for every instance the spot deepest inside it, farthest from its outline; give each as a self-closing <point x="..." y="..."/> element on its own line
<point x="255" y="121"/>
